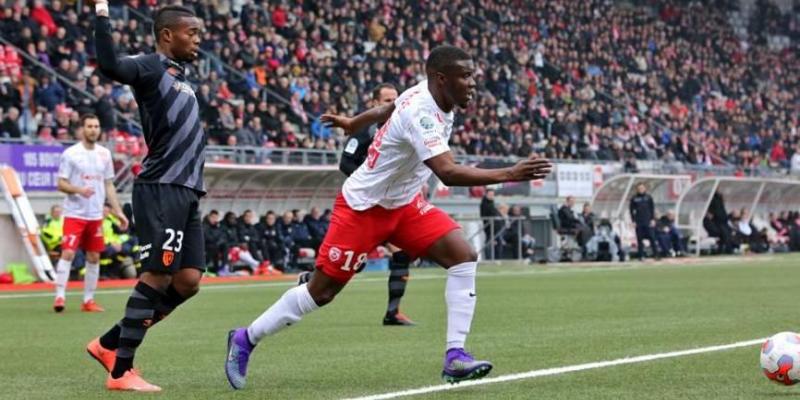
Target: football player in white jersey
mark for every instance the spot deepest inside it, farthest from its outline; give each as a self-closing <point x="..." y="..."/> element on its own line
<point x="85" y="175"/>
<point x="381" y="202"/>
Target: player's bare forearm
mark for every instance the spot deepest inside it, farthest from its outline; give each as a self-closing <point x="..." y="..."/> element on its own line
<point x="112" y="198"/>
<point x="374" y="115"/>
<point x="452" y="174"/>
<point x="461" y="175"/>
<point x="352" y="125"/>
<point x="65" y="187"/>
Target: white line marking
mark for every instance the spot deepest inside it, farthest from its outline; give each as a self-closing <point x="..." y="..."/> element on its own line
<point x="560" y="370"/>
<point x="717" y="262"/>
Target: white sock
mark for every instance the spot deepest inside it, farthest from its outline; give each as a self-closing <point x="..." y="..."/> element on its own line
<point x="90" y="281"/>
<point x="62" y="277"/>
<point x="288" y="310"/>
<point x="459" y="294"/>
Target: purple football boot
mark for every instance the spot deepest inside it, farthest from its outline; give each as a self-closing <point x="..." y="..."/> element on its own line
<point x="461" y="366"/>
<point x="239" y="349"/>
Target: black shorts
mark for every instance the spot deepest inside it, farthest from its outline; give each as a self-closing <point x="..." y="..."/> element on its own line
<point x="169" y="227"/>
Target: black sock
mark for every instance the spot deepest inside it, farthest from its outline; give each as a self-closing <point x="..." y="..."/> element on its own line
<point x="172" y="299"/>
<point x="139" y="315"/>
<point x="111" y="338"/>
<point x="398" y="278"/>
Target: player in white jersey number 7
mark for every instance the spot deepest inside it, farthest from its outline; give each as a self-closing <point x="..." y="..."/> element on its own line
<point x="381" y="202"/>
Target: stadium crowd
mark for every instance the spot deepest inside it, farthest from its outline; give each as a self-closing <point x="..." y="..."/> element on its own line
<point x="574" y="80"/>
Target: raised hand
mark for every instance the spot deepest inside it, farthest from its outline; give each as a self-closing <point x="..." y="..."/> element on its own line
<point x="101" y="7"/>
<point x="530" y="169"/>
<point x="337" y="121"/>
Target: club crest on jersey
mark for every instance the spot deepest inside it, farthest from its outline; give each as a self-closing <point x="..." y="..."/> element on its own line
<point x="334" y="254"/>
<point x="426" y="123"/>
<point x="167" y="257"/>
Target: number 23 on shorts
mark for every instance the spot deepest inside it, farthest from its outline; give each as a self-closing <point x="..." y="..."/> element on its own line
<point x="172" y="245"/>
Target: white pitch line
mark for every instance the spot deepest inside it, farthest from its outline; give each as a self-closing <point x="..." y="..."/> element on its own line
<point x="560" y="370"/>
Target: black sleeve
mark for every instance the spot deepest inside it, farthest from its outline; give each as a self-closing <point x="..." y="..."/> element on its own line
<point x="355" y="152"/>
<point x="632" y="207"/>
<point x="652" y="207"/>
<point x="125" y="70"/>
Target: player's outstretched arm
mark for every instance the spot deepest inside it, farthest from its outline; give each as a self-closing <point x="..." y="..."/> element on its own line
<point x="121" y="70"/>
<point x="361" y="121"/>
<point x="453" y="174"/>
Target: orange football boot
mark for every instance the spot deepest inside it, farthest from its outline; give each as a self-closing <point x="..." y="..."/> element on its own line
<point x="103" y="355"/>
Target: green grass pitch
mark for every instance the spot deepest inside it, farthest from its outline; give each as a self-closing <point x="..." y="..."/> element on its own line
<point x="528" y="318"/>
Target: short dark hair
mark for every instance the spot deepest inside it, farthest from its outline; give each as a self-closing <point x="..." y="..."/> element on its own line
<point x="88" y="116"/>
<point x="376" y="92"/>
<point x="168" y="16"/>
<point x="444" y="56"/>
<point x="213" y="212"/>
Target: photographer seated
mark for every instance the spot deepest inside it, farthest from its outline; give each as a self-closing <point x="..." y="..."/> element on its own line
<point x="605" y="245"/>
<point x="668" y="236"/>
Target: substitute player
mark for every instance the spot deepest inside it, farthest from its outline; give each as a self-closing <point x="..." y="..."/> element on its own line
<point x="85" y="175"/>
<point x="166" y="192"/>
<point x="354" y="154"/>
<point x="381" y="202"/>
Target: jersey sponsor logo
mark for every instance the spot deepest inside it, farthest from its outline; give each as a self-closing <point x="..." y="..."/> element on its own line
<point x="90" y="177"/>
<point x="334" y="254"/>
<point x="167" y="257"/>
<point x="433" y="142"/>
<point x="426" y="123"/>
<point x="183" y="87"/>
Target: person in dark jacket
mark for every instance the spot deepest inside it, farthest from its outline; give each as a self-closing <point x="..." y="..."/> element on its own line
<point x="719" y="217"/>
<point x="230" y="232"/>
<point x="285" y="231"/>
<point x="300" y="232"/>
<point x="643" y="215"/>
<point x="272" y="248"/>
<point x="249" y="235"/>
<point x="566" y="216"/>
<point x="50" y="93"/>
<point x="216" y="247"/>
<point x="490" y="225"/>
<point x="669" y="237"/>
<point x="316" y="226"/>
